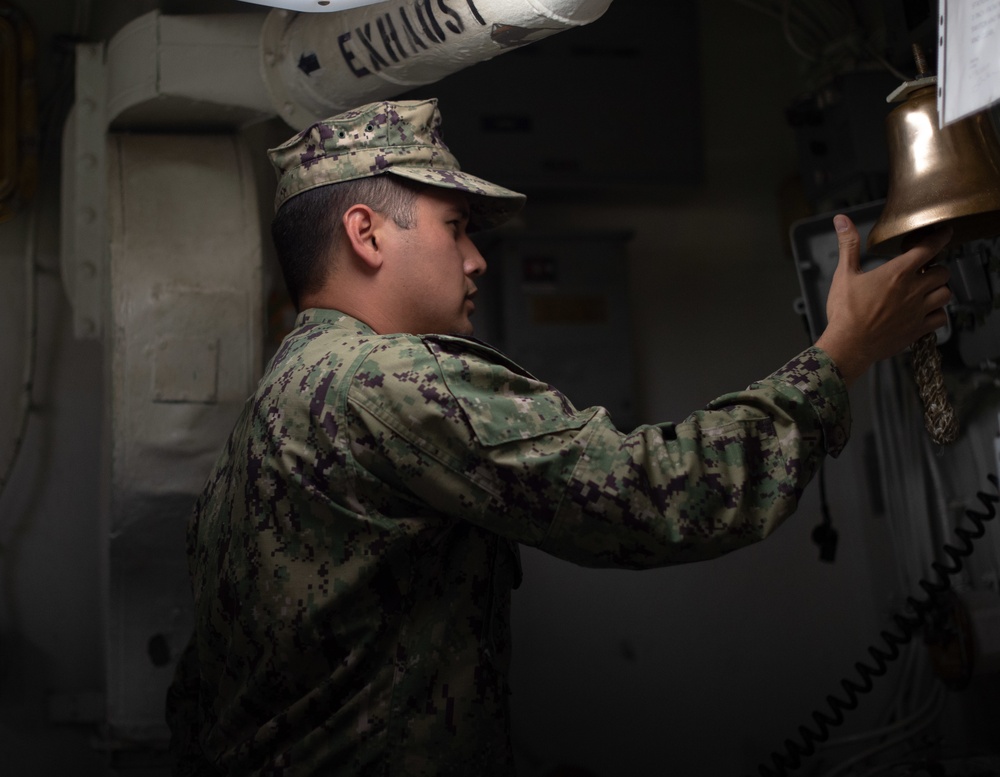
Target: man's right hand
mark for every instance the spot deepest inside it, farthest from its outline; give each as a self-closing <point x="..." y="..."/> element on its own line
<point x="874" y="315"/>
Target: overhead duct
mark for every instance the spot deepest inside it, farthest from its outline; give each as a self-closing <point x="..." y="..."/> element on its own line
<point x="232" y="69"/>
<point x="319" y="65"/>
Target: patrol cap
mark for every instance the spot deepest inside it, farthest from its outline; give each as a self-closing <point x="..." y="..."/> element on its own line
<point x="400" y="138"/>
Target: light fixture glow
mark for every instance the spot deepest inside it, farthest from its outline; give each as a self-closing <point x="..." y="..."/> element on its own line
<point x="315" y="6"/>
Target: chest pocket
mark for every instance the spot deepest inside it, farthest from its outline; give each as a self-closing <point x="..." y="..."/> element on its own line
<point x="501" y="400"/>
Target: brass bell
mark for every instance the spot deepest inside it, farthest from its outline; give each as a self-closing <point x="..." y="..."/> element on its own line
<point x="937" y="175"/>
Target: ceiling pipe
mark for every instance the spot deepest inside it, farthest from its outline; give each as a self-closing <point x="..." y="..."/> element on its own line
<point x="314" y="6"/>
<point x="317" y="65"/>
<point x="210" y="70"/>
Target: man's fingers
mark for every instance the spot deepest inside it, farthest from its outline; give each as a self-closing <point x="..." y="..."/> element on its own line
<point x="939" y="297"/>
<point x="922" y="247"/>
<point x="848" y="241"/>
<point x="935" y="275"/>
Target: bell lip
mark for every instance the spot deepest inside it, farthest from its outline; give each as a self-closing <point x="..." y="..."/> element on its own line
<point x="972" y="226"/>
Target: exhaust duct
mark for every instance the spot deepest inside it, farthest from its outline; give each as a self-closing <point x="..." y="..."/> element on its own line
<point x="205" y="70"/>
<point x="319" y="65"/>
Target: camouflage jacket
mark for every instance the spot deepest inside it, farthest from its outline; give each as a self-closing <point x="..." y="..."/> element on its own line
<point x="353" y="552"/>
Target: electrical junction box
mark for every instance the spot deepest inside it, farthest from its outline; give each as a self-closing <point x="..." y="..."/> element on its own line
<point x="970" y="339"/>
<point x="816" y="252"/>
<point x="975" y="282"/>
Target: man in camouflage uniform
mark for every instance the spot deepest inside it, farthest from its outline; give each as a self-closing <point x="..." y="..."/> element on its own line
<point x="355" y="547"/>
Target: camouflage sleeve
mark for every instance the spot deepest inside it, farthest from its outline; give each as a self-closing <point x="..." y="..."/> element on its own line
<point x="478" y="439"/>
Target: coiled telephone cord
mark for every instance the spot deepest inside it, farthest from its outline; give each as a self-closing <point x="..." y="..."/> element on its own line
<point x="908" y="625"/>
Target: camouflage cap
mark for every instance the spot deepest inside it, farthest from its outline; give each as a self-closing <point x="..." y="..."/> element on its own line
<point x="401" y="138"/>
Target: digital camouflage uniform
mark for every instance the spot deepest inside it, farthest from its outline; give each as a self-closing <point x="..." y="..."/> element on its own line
<point x="353" y="552"/>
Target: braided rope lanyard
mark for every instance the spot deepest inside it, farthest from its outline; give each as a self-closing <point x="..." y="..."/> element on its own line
<point x="939" y="416"/>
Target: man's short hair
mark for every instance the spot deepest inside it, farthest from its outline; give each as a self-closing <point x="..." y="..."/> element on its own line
<point x="308" y="228"/>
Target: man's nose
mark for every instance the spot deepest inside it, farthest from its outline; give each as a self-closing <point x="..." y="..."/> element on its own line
<point x="475" y="264"/>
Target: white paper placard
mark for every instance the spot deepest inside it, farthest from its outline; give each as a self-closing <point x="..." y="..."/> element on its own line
<point x="968" y="57"/>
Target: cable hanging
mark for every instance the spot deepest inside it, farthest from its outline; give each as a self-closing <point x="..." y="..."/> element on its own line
<point x="908" y="625"/>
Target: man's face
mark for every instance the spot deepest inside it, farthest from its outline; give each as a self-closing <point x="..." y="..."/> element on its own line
<point x="435" y="266"/>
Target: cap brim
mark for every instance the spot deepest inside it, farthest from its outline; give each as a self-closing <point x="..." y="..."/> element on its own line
<point x="490" y="205"/>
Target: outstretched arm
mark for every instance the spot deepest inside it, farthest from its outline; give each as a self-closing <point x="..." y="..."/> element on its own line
<point x="874" y="315"/>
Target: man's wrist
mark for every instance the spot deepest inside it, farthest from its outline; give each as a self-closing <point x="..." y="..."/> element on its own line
<point x="851" y="361"/>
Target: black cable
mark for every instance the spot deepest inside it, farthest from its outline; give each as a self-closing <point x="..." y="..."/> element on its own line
<point x="824" y="534"/>
<point x="908" y="626"/>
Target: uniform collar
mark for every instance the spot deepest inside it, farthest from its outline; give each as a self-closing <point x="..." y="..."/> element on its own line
<point x="333" y="318"/>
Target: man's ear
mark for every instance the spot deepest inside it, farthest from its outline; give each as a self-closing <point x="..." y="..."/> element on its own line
<point x="362" y="228"/>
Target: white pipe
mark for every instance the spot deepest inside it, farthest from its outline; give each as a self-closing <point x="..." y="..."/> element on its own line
<point x="317" y="6"/>
<point x="317" y="65"/>
<point x="186" y="71"/>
